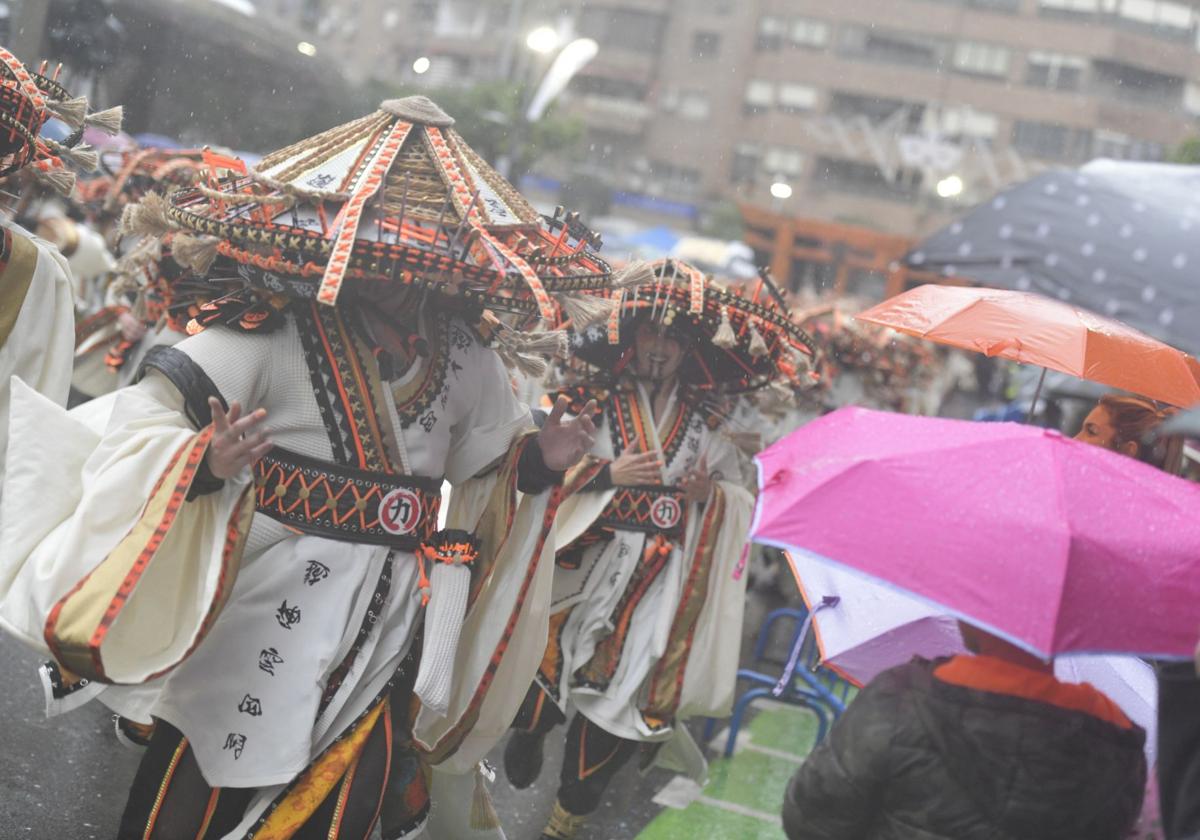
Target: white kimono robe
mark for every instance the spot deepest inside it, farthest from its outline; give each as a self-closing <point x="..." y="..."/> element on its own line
<point x="593" y="591"/>
<point x="243" y="682"/>
<point x="37" y="323"/>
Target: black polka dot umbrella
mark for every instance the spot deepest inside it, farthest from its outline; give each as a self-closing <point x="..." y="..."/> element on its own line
<point x="1121" y="239"/>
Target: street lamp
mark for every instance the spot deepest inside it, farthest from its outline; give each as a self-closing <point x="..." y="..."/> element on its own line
<point x="950" y="186"/>
<point x="781" y="190"/>
<point x="421" y="66"/>
<point x="543" y="40"/>
<point x="305" y="48"/>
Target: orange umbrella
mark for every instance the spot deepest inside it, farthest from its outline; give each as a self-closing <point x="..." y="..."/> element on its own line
<point x="1035" y="330"/>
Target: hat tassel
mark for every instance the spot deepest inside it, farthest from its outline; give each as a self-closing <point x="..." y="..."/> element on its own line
<point x="56" y="178"/>
<point x="109" y="120"/>
<point x="637" y="273"/>
<point x="584" y="310"/>
<point x="195" y="252"/>
<point x="483" y="812"/>
<point x="724" y="336"/>
<point x="83" y="157"/>
<point x="758" y="345"/>
<point x="71" y="111"/>
<point x="146" y="218"/>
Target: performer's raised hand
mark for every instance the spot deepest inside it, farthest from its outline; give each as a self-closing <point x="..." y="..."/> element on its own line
<point x="565" y="441"/>
<point x="238" y="442"/>
<point x="697" y="484"/>
<point x="632" y="467"/>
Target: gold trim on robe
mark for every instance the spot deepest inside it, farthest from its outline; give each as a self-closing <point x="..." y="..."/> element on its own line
<point x="666" y="682"/>
<point x="18" y="261"/>
<point x="80" y="621"/>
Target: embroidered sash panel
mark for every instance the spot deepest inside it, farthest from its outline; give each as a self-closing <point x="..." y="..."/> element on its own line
<point x="652" y="509"/>
<point x="344" y="503"/>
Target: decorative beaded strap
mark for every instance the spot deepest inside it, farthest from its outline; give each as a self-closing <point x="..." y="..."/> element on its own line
<point x="654" y="510"/>
<point x="443" y="156"/>
<point x="372" y="180"/>
<point x="342" y="503"/>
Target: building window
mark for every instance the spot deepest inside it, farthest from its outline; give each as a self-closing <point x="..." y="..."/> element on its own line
<point x="625" y="29"/>
<point x="893" y="47"/>
<point x="1055" y="71"/>
<point x="776" y="32"/>
<point x="809" y="33"/>
<point x="1077" y="7"/>
<point x="608" y="88"/>
<point x="760" y="96"/>
<point x="1113" y="144"/>
<point x="1162" y="18"/>
<point x="1009" y="6"/>
<point x="666" y="179"/>
<point x="772" y="31"/>
<point x="688" y="104"/>
<point x="797" y="99"/>
<point x="903" y="113"/>
<point x="693" y="106"/>
<point x="747" y="160"/>
<point x="966" y="123"/>
<point x="1133" y="84"/>
<point x="981" y="59"/>
<point x="850" y="176"/>
<point x="705" y="45"/>
<point x="780" y="160"/>
<point x="1052" y="141"/>
<point x="1166" y="18"/>
<point x="1191" y="99"/>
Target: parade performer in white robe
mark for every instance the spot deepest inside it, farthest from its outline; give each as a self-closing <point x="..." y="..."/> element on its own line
<point x="283" y="604"/>
<point x="647" y="611"/>
<point x="146" y="298"/>
<point x="37" y="313"/>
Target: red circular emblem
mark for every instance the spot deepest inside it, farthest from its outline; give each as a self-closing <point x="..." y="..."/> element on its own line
<point x="400" y="511"/>
<point x="665" y="512"/>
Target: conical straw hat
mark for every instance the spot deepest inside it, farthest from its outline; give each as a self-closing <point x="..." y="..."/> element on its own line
<point x="396" y="196"/>
<point x="737" y="340"/>
<point x="27" y="101"/>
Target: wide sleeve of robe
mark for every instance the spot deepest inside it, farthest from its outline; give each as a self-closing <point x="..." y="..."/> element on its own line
<point x="505" y="626"/>
<point x="106" y="562"/>
<point x="711" y="671"/>
<point x="37" y="321"/>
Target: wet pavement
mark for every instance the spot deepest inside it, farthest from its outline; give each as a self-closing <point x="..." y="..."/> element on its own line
<point x="66" y="778"/>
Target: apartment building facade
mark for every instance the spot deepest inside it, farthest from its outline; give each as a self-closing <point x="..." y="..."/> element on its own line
<point x="886" y="113"/>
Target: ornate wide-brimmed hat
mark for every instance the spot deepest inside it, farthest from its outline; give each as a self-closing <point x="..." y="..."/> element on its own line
<point x="395" y="197"/>
<point x="129" y="174"/>
<point x="27" y="101"/>
<point x="737" y="339"/>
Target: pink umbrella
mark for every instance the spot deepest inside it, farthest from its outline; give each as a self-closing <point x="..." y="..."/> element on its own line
<point x="1055" y="545"/>
<point x="867" y="627"/>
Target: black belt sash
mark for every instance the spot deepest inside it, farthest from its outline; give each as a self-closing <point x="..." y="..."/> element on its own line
<point x="344" y="503"/>
<point x="654" y="509"/>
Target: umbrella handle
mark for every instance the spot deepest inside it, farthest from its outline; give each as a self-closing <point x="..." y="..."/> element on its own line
<point x="1036" y="394"/>
<point x="801" y="638"/>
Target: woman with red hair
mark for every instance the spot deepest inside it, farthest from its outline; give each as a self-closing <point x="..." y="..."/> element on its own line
<point x="1125" y="424"/>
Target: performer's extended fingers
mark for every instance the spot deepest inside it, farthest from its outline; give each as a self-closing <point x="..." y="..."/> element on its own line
<point x="247" y="424"/>
<point x="556" y="413"/>
<point x="262" y="449"/>
<point x="235" y="413"/>
<point x="589" y="410"/>
<point x="585" y="423"/>
<point x="219" y="418"/>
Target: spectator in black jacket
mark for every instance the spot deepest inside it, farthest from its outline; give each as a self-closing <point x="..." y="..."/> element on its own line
<point x="983" y="747"/>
